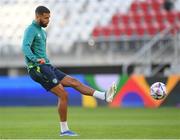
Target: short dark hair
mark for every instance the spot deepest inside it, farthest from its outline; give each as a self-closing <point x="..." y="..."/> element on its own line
<point x="41" y="9"/>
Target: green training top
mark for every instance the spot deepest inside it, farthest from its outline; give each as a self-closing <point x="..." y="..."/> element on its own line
<point x="34" y="45"/>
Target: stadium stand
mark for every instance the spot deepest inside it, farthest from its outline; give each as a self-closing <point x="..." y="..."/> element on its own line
<point x="71" y="20"/>
<point x="143" y="18"/>
<point x="66" y="26"/>
<point x="75" y="21"/>
<point x="110" y="32"/>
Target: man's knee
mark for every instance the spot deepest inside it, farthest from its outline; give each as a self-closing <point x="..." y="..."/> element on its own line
<point x="60" y="92"/>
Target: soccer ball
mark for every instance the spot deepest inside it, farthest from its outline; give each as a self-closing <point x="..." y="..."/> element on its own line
<point x="158" y="90"/>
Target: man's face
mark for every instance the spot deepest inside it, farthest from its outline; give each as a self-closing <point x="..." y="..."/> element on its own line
<point x="43" y="19"/>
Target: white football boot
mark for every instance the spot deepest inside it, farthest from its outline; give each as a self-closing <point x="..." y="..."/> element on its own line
<point x="109" y="95"/>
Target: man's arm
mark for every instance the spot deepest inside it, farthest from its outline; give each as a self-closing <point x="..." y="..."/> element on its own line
<point x="29" y="35"/>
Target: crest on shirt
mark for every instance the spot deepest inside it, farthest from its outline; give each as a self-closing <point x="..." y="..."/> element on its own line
<point x="39" y="35"/>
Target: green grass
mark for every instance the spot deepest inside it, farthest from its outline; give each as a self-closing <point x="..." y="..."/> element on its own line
<point x="98" y="123"/>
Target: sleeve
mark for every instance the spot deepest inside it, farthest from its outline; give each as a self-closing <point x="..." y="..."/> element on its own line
<point x="28" y="38"/>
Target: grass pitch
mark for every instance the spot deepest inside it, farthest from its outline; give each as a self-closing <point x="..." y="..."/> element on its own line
<point x="98" y="123"/>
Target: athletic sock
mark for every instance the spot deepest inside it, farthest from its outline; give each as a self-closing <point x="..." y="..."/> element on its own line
<point x="64" y="126"/>
<point x="99" y="95"/>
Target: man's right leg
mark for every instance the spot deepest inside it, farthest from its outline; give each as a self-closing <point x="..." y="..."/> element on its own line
<point x="47" y="78"/>
<point x="62" y="109"/>
<point x="62" y="101"/>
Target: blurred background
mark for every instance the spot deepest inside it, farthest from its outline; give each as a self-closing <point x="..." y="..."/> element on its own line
<point x="132" y="42"/>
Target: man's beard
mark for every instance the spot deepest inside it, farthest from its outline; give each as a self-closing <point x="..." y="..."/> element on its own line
<point x="42" y="24"/>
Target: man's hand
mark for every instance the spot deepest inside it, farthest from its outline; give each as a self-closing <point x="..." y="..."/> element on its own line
<point x="41" y="61"/>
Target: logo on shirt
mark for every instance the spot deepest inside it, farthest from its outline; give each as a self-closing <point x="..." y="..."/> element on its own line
<point x="39" y="35"/>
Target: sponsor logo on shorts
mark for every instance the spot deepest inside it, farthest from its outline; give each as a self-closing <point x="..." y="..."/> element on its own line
<point x="55" y="81"/>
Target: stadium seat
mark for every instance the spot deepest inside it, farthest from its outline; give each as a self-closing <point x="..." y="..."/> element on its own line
<point x="138" y="18"/>
<point x="144" y="7"/>
<point x="171" y="17"/>
<point x="107" y="31"/>
<point x="149" y="17"/>
<point x="115" y="19"/>
<point x="156" y="6"/>
<point x="141" y="29"/>
<point x="130" y="29"/>
<point x="118" y="31"/>
<point x="134" y="6"/>
<point x="125" y="19"/>
<point x="153" y="29"/>
<point x="161" y="16"/>
<point x="97" y="31"/>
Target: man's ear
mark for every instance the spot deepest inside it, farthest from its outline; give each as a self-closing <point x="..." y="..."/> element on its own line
<point x="37" y="17"/>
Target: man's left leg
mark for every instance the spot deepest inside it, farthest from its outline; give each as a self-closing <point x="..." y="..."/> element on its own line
<point x="68" y="81"/>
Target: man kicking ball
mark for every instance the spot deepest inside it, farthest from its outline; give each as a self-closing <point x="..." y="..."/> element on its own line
<point x="51" y="78"/>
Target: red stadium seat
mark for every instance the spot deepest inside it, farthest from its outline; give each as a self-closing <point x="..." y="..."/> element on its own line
<point x="118" y="31"/>
<point x="153" y="29"/>
<point x="144" y="6"/>
<point x="130" y="29"/>
<point x="156" y="6"/>
<point x="161" y="16"/>
<point x="141" y="30"/>
<point x="171" y="17"/>
<point x="138" y="18"/>
<point x="125" y="19"/>
<point x="134" y="6"/>
<point x="97" y="31"/>
<point x="115" y="19"/>
<point x="149" y="17"/>
<point x="107" y="31"/>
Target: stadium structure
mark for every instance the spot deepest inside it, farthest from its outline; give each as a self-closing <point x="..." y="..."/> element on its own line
<point x="138" y="34"/>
